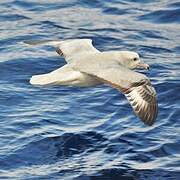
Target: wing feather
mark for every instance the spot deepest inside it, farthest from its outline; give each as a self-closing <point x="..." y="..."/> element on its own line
<point x="136" y="87"/>
<point x="67" y="48"/>
<point x="143" y="101"/>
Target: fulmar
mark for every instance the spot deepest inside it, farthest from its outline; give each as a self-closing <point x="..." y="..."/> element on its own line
<point x="87" y="66"/>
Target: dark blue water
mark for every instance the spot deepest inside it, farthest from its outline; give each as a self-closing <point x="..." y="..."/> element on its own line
<point x="87" y="133"/>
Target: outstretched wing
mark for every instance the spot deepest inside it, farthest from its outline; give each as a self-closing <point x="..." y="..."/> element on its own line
<point x="68" y="48"/>
<point x="142" y="97"/>
<point x="135" y="86"/>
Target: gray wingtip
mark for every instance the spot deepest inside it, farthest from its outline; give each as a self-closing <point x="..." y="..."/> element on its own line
<point x="142" y="97"/>
<point x="34" y="42"/>
<point x="54" y="43"/>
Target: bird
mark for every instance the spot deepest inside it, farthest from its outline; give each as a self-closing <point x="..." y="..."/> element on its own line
<point x="86" y="66"/>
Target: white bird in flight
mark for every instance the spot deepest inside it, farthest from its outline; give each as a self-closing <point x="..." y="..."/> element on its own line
<point x="87" y="66"/>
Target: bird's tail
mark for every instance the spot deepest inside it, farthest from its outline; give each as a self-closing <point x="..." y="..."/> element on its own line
<point x="43" y="79"/>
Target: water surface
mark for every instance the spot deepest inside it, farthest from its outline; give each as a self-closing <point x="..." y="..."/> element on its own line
<point x="87" y="133"/>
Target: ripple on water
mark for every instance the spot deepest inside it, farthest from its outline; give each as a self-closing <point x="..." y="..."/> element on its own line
<point x="52" y="149"/>
<point x="162" y="16"/>
<point x="12" y="17"/>
<point x="87" y="133"/>
<point x="115" y="11"/>
<point x="41" y="6"/>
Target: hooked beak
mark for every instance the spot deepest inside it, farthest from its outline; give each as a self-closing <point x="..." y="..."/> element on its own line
<point x="143" y="65"/>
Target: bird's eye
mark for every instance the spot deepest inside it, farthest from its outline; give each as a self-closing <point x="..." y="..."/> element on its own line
<point x="135" y="59"/>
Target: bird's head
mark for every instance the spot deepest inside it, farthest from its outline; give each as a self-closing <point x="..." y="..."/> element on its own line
<point x="131" y="60"/>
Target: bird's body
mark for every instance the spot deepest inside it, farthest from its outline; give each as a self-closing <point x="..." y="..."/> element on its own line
<point x="87" y="66"/>
<point x="69" y="75"/>
<point x="65" y="75"/>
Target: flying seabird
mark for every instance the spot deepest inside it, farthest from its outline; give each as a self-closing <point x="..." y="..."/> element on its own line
<point x="86" y="66"/>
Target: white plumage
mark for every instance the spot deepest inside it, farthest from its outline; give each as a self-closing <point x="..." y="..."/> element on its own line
<point x="87" y="66"/>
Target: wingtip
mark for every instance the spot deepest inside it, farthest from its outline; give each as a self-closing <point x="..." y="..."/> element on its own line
<point x="32" y="42"/>
<point x="28" y="42"/>
<point x="142" y="98"/>
<point x="149" y="123"/>
<point x="150" y="119"/>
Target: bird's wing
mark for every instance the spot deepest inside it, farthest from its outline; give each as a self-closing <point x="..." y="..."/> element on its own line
<point x="68" y="48"/>
<point x="135" y="86"/>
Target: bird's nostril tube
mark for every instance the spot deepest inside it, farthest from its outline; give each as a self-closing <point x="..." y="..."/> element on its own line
<point x="143" y="65"/>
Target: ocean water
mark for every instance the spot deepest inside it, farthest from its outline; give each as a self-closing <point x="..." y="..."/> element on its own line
<point x="61" y="132"/>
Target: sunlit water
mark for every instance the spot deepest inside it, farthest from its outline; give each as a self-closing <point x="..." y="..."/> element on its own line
<point x="87" y="133"/>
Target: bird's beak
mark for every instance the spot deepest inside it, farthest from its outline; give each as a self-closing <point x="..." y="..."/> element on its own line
<point x="143" y="65"/>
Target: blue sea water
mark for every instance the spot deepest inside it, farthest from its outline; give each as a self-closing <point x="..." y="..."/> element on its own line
<point x="63" y="132"/>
